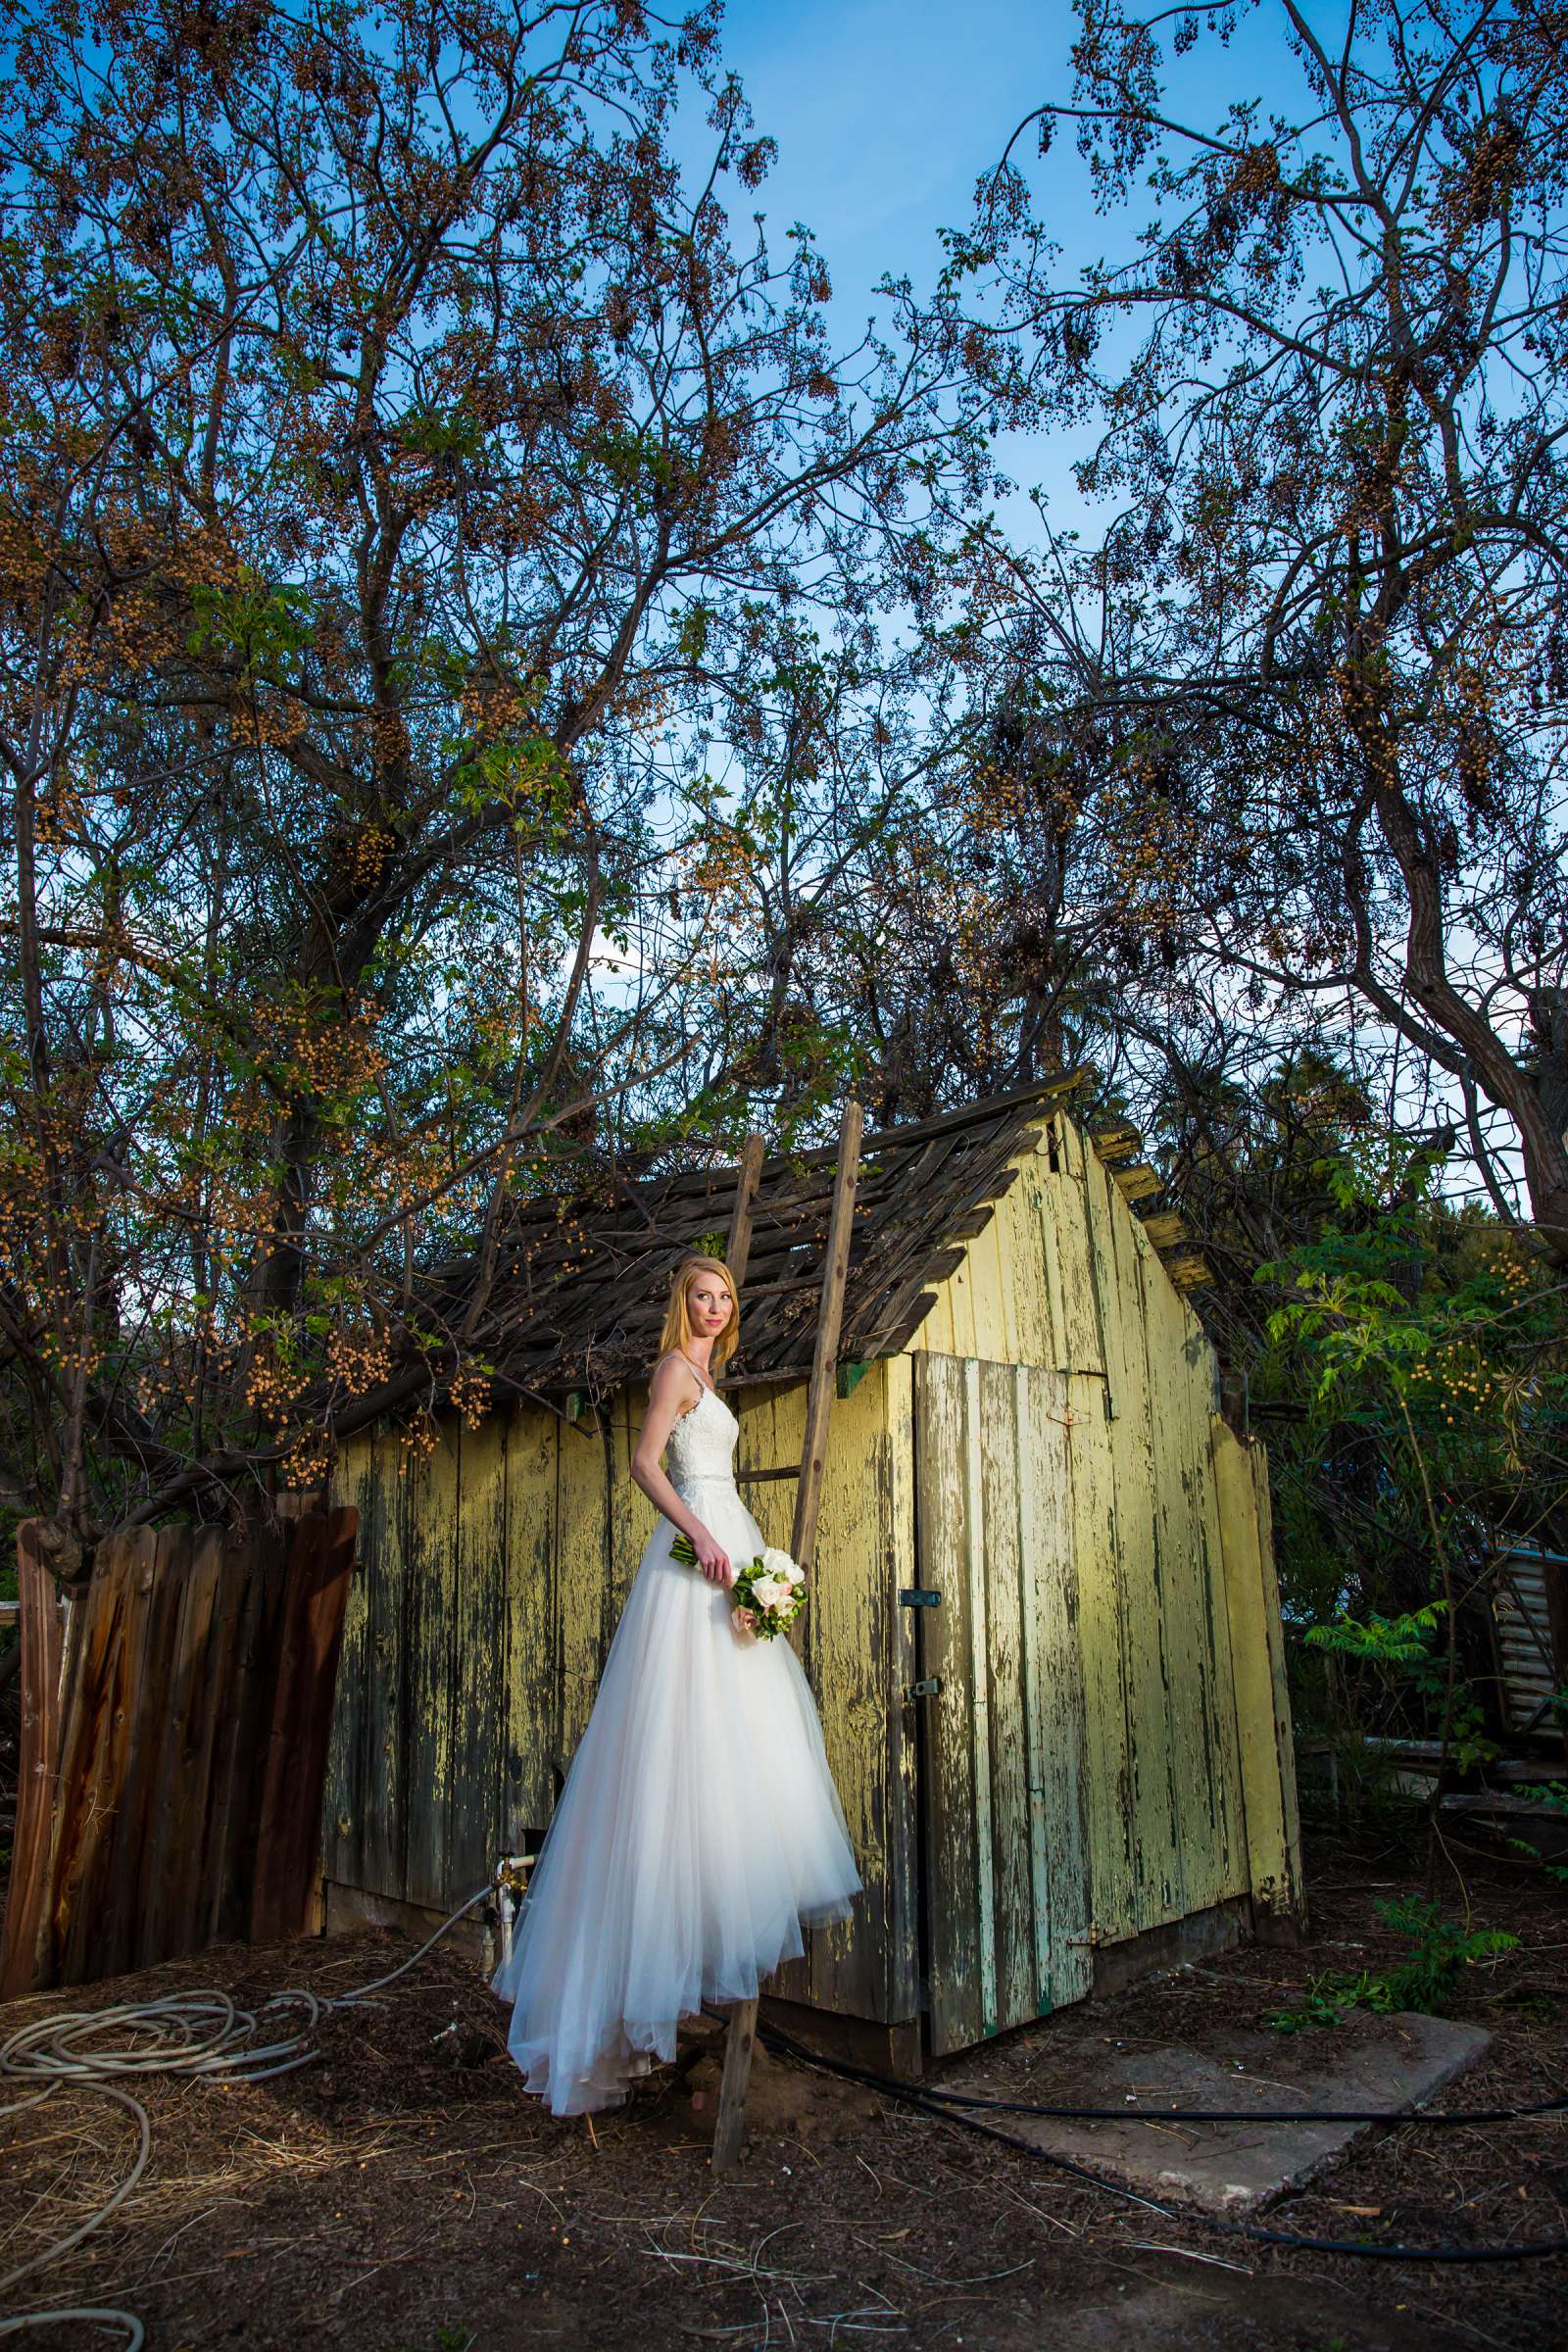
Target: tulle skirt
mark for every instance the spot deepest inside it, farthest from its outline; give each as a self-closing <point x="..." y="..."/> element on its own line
<point x="698" y="1831"/>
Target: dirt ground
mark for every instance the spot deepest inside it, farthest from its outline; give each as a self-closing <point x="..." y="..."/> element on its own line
<point x="403" y="2194"/>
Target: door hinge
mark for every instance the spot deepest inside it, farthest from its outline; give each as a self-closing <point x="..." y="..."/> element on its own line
<point x="919" y="1596"/>
<point x="929" y="1688"/>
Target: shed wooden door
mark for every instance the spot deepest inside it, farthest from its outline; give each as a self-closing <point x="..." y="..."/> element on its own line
<point x="1000" y="1743"/>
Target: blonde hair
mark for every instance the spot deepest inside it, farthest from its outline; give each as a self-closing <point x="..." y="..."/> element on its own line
<point x="678" y="1330"/>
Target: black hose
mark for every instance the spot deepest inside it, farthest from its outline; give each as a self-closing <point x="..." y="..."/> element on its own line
<point x="1255" y="2115"/>
<point x="948" y="2108"/>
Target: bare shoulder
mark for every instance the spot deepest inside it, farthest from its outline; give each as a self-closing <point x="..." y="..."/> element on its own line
<point x="674" y="1383"/>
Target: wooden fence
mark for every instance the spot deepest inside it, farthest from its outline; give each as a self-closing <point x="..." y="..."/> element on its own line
<point x="174" y="1724"/>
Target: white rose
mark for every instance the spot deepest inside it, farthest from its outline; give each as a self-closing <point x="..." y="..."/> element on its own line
<point x="769" y="1591"/>
<point x="777" y="1563"/>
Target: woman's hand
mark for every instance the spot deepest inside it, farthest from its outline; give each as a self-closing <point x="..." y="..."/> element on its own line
<point x="712" y="1559"/>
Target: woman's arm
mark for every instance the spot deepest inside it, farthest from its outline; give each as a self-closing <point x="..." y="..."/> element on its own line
<point x="673" y="1390"/>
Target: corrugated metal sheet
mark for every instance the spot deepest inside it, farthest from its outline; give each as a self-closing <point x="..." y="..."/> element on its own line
<point x="1530" y="1674"/>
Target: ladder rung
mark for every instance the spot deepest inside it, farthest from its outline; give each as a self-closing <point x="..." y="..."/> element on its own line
<point x="785" y="1470"/>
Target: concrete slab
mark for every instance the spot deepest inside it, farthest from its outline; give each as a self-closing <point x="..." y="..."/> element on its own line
<point x="1393" y="2062"/>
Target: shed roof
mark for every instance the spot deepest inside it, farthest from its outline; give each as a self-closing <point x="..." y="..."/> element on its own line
<point x="579" y="1294"/>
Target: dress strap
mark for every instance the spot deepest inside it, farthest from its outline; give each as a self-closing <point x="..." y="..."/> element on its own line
<point x="675" y="1354"/>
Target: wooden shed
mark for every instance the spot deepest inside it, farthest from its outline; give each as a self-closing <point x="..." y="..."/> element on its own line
<point x="1044" y="1631"/>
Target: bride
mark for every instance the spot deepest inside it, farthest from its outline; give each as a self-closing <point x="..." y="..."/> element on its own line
<point x="699" y="1825"/>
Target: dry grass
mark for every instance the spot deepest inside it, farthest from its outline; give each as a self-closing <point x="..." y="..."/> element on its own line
<point x="404" y="2194"/>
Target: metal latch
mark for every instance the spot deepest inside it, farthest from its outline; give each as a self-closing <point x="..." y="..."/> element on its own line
<point x="929" y="1688"/>
<point x="919" y="1596"/>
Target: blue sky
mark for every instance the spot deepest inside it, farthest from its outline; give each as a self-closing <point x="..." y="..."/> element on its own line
<point x="886" y="114"/>
<point x="886" y="111"/>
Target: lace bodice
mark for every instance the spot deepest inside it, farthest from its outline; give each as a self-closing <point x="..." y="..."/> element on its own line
<point x="702" y="1445"/>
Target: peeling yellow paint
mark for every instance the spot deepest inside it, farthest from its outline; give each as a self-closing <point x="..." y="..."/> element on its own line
<point x="1113" y="1703"/>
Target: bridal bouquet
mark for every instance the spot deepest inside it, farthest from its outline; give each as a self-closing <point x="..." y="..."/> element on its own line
<point x="767" y="1594"/>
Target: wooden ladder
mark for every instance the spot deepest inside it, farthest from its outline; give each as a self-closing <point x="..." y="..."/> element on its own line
<point x="740" y="2033"/>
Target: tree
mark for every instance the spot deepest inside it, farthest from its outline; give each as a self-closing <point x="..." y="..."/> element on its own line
<point x="1325" y="385"/>
<point x="393" y="444"/>
<point x="1403" y="1356"/>
<point x="926" y="884"/>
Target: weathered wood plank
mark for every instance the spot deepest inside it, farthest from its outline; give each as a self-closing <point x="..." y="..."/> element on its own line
<point x="171" y="1674"/>
<point x="533" y="1711"/>
<point x="480" y="1643"/>
<point x="99" y="1736"/>
<point x="1019" y="1274"/>
<point x="1055" y="1350"/>
<point x="1099" y="1262"/>
<point x="383" y="1775"/>
<point x="1053" y="1690"/>
<point x="778" y="1418"/>
<point x="901" y="1950"/>
<point x="738" y="1246"/>
<point x="1103" y="1642"/>
<point x="852" y="1608"/>
<point x="353" y="1483"/>
<point x="950" y="1325"/>
<point x="239" y="1607"/>
<point x="1201" y="1402"/>
<point x="952" y="1853"/>
<point x="171" y="1707"/>
<point x="1155" y="1836"/>
<point x="974" y="1569"/>
<point x="206" y="1667"/>
<point x="1118" y="1141"/>
<point x="260" y="1641"/>
<point x="120" y="1925"/>
<point x="994" y="1392"/>
<point x="430" y="1675"/>
<point x="993" y="1306"/>
<point x="631" y="1517"/>
<point x="1137" y="1183"/>
<point x="1267" y="1761"/>
<point x="762" y="1445"/>
<point x="582" y="1572"/>
<point x="321" y="1555"/>
<point x="773" y="1430"/>
<point x="1179" y="1549"/>
<point x="42" y="1633"/>
<point x="819" y="1394"/>
<point x="1190" y="1271"/>
<point x="730" y="2125"/>
<point x="103" y="1672"/>
<point x="1283" y="1900"/>
<point x="1034" y="1310"/>
<point x="990" y="1287"/>
<point x="1083" y="1348"/>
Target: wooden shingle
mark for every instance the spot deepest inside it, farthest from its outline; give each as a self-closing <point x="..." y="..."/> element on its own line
<point x="580" y="1288"/>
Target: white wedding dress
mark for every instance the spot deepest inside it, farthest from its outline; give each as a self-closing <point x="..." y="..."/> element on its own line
<point x="698" y="1826"/>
